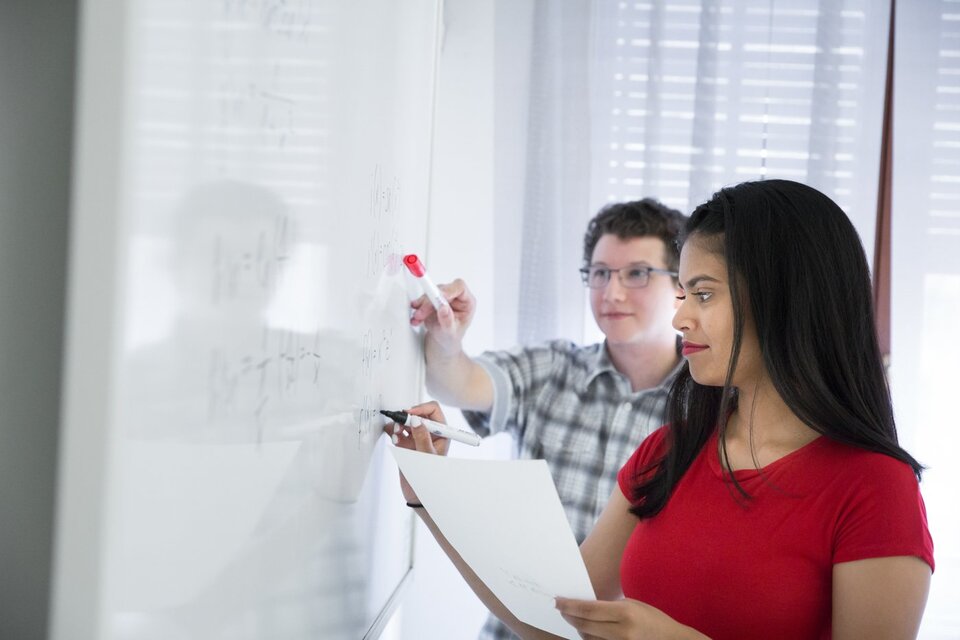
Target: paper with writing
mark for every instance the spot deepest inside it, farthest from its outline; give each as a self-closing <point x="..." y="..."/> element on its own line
<point x="505" y="519"/>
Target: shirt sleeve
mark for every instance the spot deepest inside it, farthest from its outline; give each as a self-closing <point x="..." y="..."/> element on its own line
<point x="483" y="421"/>
<point x="518" y="375"/>
<point x="648" y="451"/>
<point x="883" y="515"/>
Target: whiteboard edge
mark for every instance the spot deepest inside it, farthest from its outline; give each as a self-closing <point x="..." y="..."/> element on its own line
<point x="76" y="603"/>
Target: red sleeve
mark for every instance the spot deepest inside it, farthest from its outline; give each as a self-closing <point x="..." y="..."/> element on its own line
<point x="884" y="515"/>
<point x="649" y="450"/>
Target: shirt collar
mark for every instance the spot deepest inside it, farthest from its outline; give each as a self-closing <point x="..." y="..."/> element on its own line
<point x="602" y="364"/>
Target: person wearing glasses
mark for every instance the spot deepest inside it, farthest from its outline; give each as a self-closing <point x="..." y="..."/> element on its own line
<point x="583" y="409"/>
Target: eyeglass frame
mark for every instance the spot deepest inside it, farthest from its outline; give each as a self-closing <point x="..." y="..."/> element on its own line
<point x="585" y="275"/>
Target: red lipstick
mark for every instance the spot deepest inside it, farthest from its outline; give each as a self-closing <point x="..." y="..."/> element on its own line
<point x="692" y="347"/>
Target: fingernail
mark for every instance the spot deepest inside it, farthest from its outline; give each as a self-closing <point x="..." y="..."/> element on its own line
<point x="396" y="428"/>
<point x="395" y="439"/>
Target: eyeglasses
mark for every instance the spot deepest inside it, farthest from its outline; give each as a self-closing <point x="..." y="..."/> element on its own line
<point x="632" y="276"/>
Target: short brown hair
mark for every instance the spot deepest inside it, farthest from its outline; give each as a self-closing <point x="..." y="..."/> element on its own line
<point x="637" y="219"/>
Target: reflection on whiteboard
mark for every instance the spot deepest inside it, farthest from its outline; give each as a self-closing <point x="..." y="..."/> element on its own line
<point x="273" y="167"/>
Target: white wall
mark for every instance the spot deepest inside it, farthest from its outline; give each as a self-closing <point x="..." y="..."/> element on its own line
<point x="475" y="235"/>
<point x="438" y="604"/>
<point x="513" y="29"/>
<point x="36" y="73"/>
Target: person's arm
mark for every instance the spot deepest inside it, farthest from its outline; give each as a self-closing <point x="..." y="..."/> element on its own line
<point x="452" y="376"/>
<point x="457" y="380"/>
<point x="603" y="547"/>
<point x="883" y="554"/>
<point x="612" y="616"/>
<point x="879" y="598"/>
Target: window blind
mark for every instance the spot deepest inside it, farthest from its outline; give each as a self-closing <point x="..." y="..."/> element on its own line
<point x="925" y="277"/>
<point x="692" y="95"/>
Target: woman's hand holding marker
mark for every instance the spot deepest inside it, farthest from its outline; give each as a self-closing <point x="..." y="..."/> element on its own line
<point x="419" y="439"/>
<point x="405" y="419"/>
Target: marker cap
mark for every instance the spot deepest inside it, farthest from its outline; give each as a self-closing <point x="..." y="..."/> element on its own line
<point x="414" y="265"/>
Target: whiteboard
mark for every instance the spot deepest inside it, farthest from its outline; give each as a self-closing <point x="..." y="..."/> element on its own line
<point x="248" y="174"/>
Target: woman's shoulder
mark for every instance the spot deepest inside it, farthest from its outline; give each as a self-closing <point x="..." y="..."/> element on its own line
<point x="650" y="449"/>
<point x="855" y="461"/>
<point x="879" y="510"/>
<point x="860" y="476"/>
<point x="656" y="442"/>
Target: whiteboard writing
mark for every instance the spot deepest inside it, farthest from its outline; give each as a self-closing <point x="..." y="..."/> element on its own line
<point x="268" y="165"/>
<point x="247" y="384"/>
<point x="287" y="18"/>
<point x="261" y="264"/>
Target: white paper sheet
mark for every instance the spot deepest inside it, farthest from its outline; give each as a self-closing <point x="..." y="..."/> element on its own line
<point x="505" y="519"/>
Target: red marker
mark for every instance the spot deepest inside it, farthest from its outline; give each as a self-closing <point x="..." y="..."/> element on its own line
<point x="420" y="273"/>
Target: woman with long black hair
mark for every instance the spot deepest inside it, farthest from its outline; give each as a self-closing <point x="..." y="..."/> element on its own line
<point x="777" y="503"/>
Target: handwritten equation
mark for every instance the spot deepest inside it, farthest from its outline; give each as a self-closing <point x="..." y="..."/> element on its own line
<point x="277" y="371"/>
<point x="525" y="583"/>
<point x="288" y="18"/>
<point x="248" y="383"/>
<point x="383" y="250"/>
<point x="267" y="72"/>
<point x="252" y="106"/>
<point x="244" y="270"/>
<point x="256" y="383"/>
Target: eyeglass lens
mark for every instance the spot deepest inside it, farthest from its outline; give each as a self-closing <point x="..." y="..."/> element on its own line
<point x="632" y="276"/>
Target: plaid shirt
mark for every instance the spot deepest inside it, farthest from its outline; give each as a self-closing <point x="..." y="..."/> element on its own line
<point x="568" y="405"/>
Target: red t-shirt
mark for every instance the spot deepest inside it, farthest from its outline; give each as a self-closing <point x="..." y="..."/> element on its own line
<point x="762" y="569"/>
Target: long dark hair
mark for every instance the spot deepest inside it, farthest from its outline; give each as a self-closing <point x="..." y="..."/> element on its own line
<point x="794" y="256"/>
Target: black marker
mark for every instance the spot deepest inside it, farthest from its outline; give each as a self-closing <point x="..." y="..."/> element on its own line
<point x="436" y="428"/>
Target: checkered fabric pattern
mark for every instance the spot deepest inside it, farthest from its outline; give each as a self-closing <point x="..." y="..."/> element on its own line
<point x="568" y="405"/>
